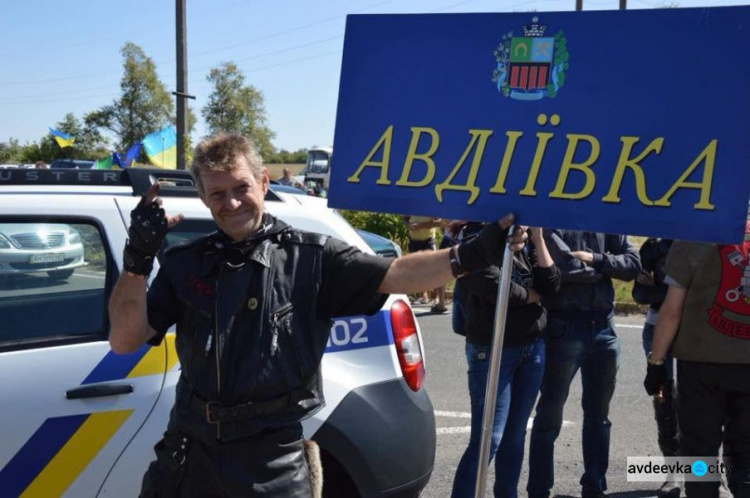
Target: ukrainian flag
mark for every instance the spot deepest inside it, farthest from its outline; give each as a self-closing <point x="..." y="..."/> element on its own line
<point x="161" y="147"/>
<point x="62" y="139"/>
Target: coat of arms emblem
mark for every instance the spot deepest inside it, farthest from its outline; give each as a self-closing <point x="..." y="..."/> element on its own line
<point x="531" y="66"/>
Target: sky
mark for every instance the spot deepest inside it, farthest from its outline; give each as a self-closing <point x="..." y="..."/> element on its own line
<point x="61" y="57"/>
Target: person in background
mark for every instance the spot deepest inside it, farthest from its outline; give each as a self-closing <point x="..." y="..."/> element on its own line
<point x="41" y="165"/>
<point x="649" y="288"/>
<point x="421" y="238"/>
<point x="580" y="334"/>
<point x="286" y="177"/>
<point x="253" y="304"/>
<point x="522" y="362"/>
<point x="705" y="319"/>
<point x="452" y="229"/>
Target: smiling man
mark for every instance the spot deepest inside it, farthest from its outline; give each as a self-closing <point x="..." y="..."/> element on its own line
<point x="251" y="339"/>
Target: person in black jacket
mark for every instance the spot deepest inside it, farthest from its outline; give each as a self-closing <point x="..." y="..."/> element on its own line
<point x="580" y="334"/>
<point x="253" y="305"/>
<point x="651" y="289"/>
<point x="522" y="362"/>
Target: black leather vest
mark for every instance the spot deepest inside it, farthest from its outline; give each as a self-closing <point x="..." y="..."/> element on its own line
<point x="248" y="333"/>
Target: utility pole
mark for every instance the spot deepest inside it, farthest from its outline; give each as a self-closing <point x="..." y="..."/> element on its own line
<point x="579" y="5"/>
<point x="181" y="93"/>
<point x="623" y="4"/>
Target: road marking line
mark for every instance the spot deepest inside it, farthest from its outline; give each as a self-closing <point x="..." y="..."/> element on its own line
<point x="466" y="430"/>
<point x="439" y="413"/>
<point x="628" y="326"/>
<point x="453" y="430"/>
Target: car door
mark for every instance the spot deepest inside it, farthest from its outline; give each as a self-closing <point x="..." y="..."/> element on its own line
<point x="68" y="405"/>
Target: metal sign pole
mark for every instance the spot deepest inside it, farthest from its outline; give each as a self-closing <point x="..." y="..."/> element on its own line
<point x="490" y="397"/>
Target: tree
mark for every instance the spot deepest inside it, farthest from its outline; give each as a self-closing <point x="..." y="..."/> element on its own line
<point x="89" y="144"/>
<point x="237" y="108"/>
<point x="283" y="156"/>
<point x="144" y="106"/>
<point x="10" y="151"/>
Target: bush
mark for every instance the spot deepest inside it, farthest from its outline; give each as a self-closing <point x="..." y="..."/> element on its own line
<point x="386" y="225"/>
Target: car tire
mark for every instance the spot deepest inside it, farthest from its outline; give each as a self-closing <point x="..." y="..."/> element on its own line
<point x="60" y="274"/>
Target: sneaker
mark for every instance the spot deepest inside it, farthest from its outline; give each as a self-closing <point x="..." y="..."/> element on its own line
<point x="438" y="309"/>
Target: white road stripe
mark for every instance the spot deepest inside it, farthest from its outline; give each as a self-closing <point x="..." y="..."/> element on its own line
<point x="467" y="429"/>
<point x="439" y="413"/>
<point x="453" y="430"/>
<point x="628" y="326"/>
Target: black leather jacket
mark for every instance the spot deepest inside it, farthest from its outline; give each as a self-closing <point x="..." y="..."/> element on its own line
<point x="247" y="333"/>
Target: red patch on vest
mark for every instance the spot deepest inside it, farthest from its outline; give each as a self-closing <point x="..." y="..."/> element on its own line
<point x="734" y="292"/>
<point x="199" y="286"/>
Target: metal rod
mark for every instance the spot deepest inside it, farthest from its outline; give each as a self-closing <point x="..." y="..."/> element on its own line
<point x="490" y="396"/>
<point x="182" y="82"/>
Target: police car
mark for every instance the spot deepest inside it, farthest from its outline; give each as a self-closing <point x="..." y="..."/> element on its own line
<point x="78" y="420"/>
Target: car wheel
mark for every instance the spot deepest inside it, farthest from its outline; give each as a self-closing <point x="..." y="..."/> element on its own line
<point x="60" y="274"/>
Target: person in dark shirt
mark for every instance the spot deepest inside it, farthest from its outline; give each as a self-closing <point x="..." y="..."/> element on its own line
<point x="650" y="288"/>
<point x="580" y="334"/>
<point x="522" y="362"/>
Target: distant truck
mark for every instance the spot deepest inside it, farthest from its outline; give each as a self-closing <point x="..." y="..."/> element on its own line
<point x="318" y="167"/>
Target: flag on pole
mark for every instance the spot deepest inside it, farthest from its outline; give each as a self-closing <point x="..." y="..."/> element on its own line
<point x="161" y="147"/>
<point x="131" y="155"/>
<point x="105" y="163"/>
<point x="62" y="139"/>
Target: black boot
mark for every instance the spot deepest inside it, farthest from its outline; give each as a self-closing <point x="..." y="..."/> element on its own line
<point x="666" y="424"/>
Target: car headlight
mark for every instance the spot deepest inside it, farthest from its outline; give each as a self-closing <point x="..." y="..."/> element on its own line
<point x="74" y="238"/>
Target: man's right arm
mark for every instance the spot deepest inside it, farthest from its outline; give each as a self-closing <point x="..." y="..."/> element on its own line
<point x="128" y="312"/>
<point x="129" y="328"/>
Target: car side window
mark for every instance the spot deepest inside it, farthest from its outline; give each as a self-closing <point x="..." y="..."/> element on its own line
<point x="53" y="282"/>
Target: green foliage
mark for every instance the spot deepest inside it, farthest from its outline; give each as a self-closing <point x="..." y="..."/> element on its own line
<point x="285" y="157"/>
<point x="10" y="151"/>
<point x="235" y="107"/>
<point x="89" y="144"/>
<point x="386" y="225"/>
<point x="144" y="106"/>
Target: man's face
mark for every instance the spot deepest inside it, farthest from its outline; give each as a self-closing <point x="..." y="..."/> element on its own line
<point x="235" y="199"/>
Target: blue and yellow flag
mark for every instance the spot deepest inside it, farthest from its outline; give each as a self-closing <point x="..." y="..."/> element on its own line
<point x="131" y="155"/>
<point x="62" y="139"/>
<point x="161" y="147"/>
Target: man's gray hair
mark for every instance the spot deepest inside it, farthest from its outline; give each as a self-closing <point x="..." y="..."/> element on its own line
<point x="219" y="152"/>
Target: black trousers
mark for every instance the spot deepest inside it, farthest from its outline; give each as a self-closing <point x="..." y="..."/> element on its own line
<point x="713" y="403"/>
<point x="269" y="464"/>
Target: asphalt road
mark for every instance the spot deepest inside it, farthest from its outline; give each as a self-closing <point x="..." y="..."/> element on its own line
<point x="633" y="427"/>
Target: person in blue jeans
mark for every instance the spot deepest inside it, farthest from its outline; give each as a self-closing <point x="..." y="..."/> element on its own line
<point x="580" y="335"/>
<point x="522" y="361"/>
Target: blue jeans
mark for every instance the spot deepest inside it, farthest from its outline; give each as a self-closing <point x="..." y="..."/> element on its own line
<point x="521" y="371"/>
<point x="457" y="320"/>
<point x="594" y="348"/>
